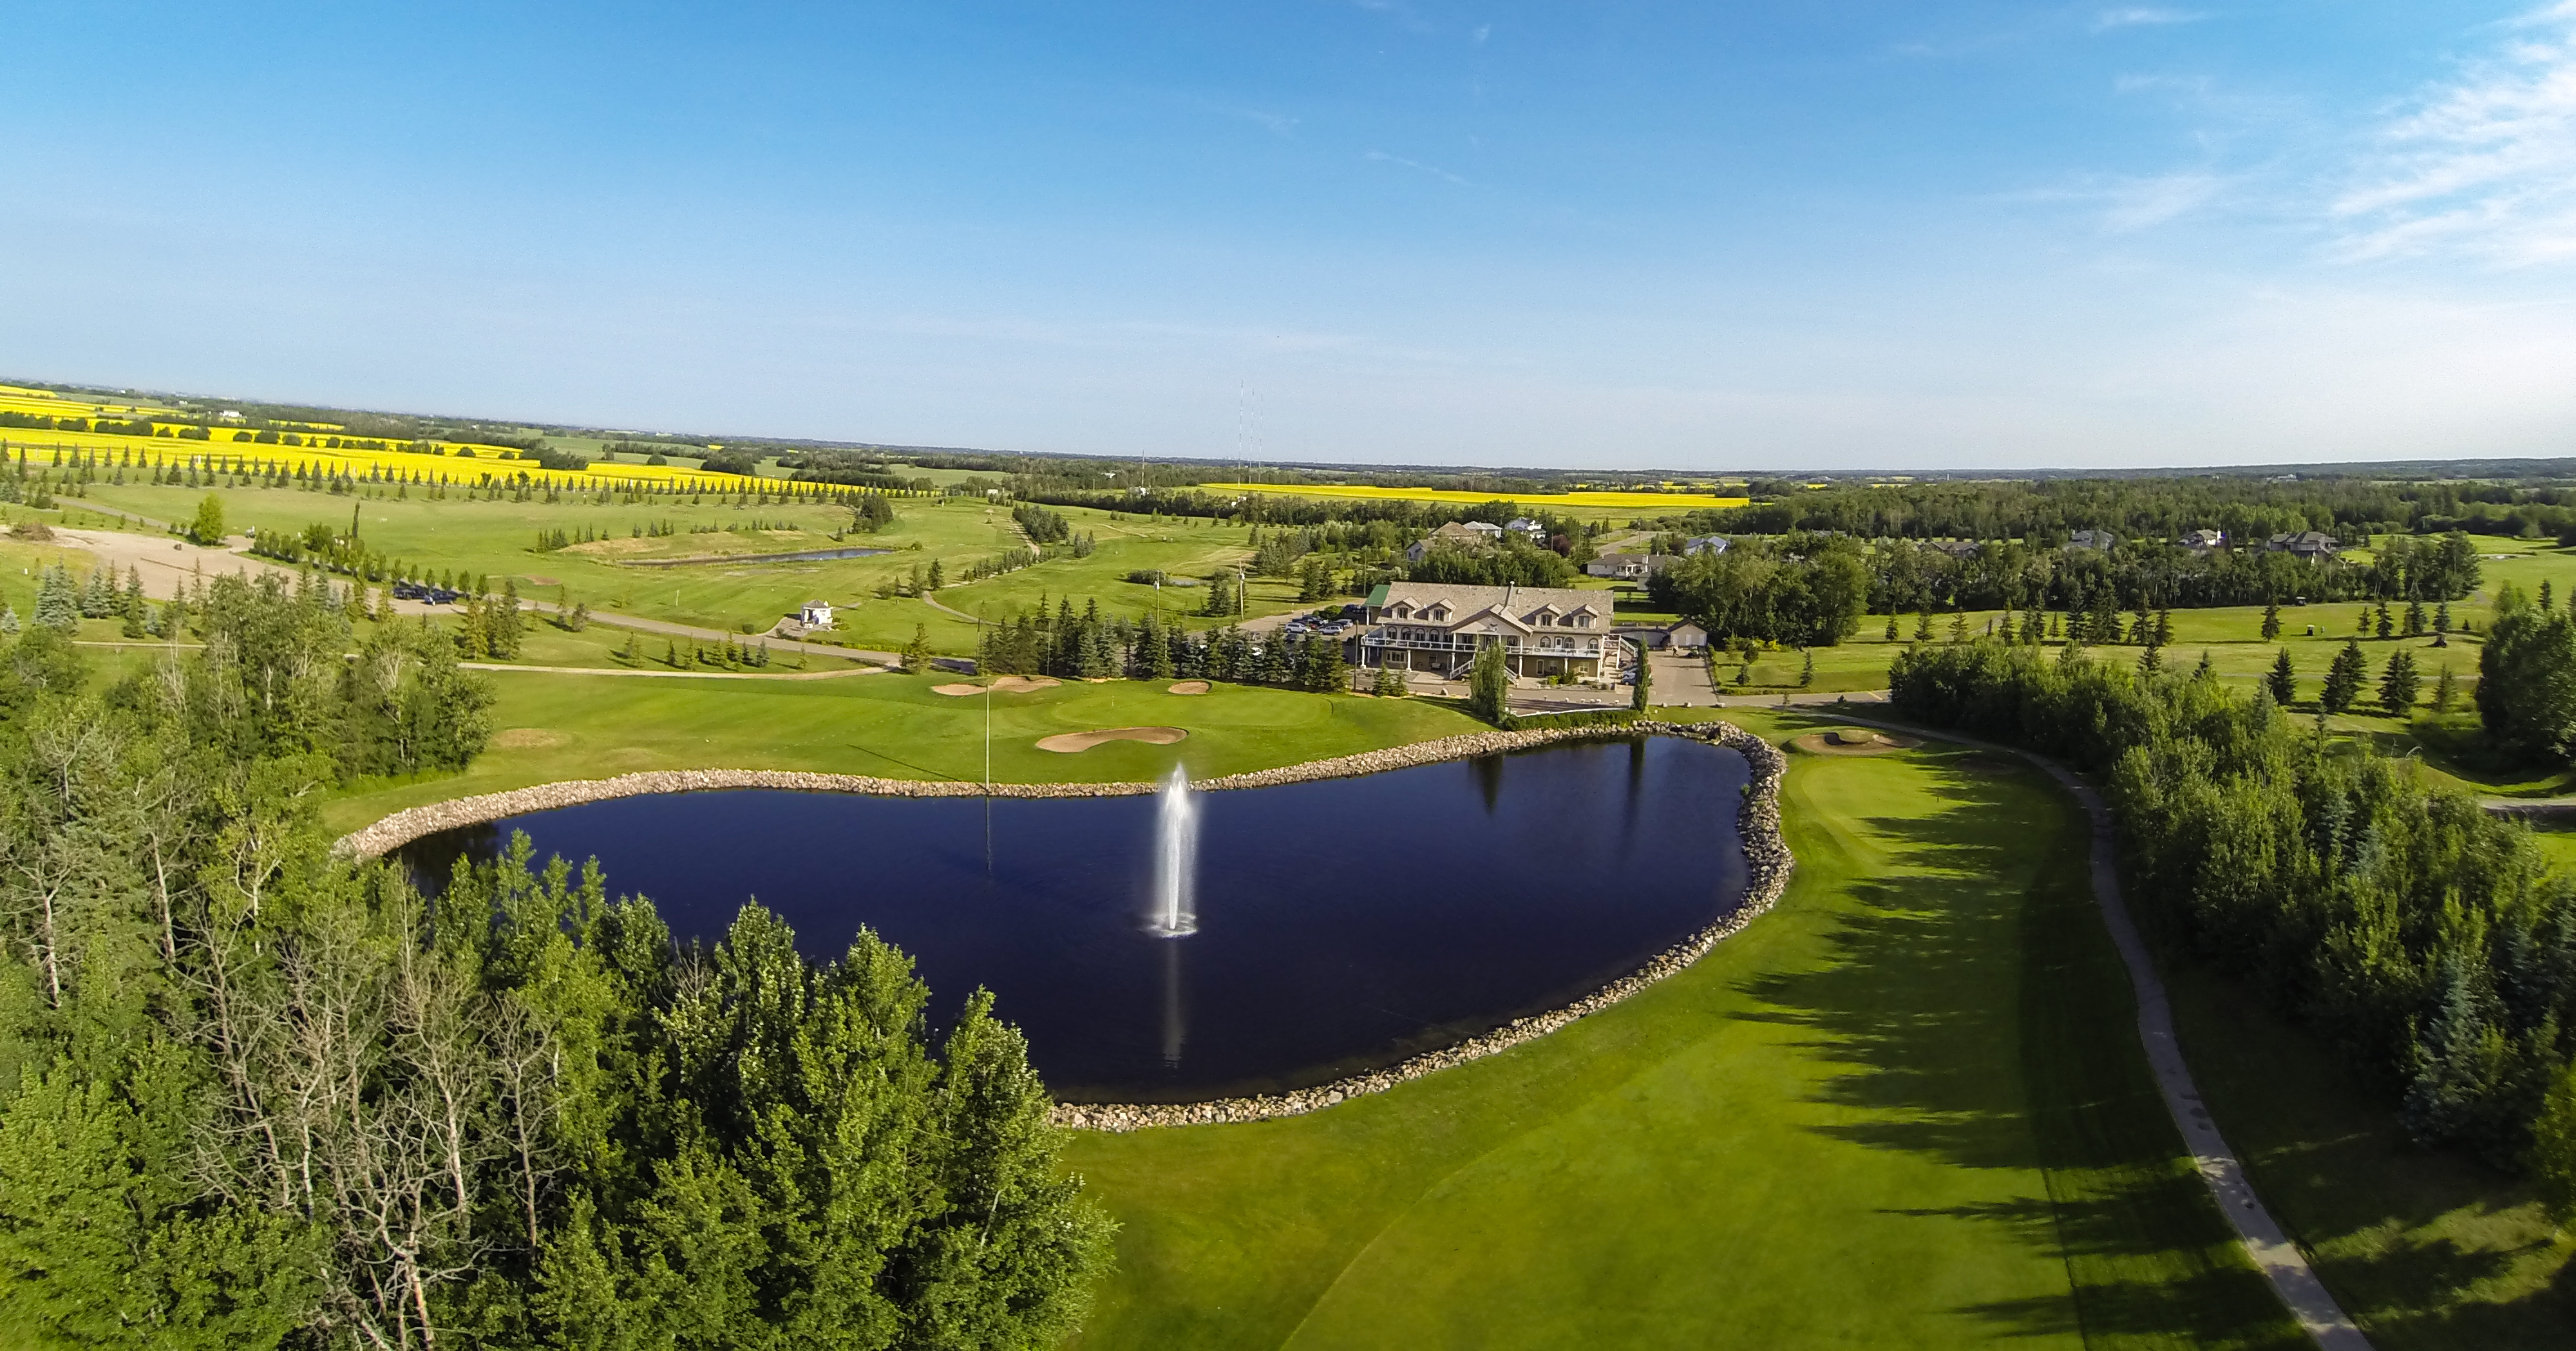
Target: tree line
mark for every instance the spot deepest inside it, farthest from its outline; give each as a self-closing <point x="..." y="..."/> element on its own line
<point x="1908" y="577"/>
<point x="2246" y="508"/>
<point x="256" y="1095"/>
<point x="2426" y="940"/>
<point x="1086" y="645"/>
<point x="1798" y="591"/>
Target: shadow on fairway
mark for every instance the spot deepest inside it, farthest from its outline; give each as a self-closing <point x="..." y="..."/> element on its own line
<point x="1978" y="1015"/>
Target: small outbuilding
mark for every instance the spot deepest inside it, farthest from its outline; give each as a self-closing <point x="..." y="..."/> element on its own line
<point x="815" y="614"/>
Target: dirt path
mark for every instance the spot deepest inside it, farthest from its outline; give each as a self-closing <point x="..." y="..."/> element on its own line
<point x="2265" y="1240"/>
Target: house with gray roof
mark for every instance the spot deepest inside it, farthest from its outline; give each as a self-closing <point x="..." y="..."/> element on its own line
<point x="1438" y="627"/>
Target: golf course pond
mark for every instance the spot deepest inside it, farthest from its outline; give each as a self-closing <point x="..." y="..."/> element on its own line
<point x="1337" y="926"/>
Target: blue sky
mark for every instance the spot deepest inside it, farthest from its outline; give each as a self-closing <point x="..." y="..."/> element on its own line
<point x="1826" y="234"/>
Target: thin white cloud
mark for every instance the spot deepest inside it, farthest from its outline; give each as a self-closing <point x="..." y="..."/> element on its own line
<point x="2484" y="166"/>
<point x="2143" y="17"/>
<point x="2128" y="205"/>
<point x="1417" y="166"/>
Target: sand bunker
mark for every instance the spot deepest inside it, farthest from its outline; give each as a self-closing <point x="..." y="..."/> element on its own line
<point x="1009" y="684"/>
<point x="527" y="738"/>
<point x="1069" y="742"/>
<point x="1191" y="687"/>
<point x="1854" y="741"/>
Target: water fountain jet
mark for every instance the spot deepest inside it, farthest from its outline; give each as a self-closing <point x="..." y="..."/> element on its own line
<point x="1176" y="850"/>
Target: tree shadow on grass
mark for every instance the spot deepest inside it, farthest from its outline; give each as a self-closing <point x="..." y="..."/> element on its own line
<point x="2427" y="1248"/>
<point x="1978" y="1016"/>
<point x="1913" y="1004"/>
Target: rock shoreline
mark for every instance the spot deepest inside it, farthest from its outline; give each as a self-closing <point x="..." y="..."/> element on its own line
<point x="1767" y="868"/>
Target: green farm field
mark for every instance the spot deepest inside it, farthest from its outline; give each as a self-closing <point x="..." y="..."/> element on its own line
<point x="1907" y="1108"/>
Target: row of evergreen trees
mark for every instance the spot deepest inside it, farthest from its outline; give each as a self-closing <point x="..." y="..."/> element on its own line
<point x="252" y="1095"/>
<point x="2423" y="937"/>
<point x="1086" y="645"/>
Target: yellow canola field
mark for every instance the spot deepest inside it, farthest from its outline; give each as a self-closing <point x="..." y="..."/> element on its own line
<point x="1672" y="501"/>
<point x="456" y="468"/>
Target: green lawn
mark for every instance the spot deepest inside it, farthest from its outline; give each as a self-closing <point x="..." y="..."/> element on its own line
<point x="1907" y="1108"/>
<point x="497" y="539"/>
<point x="2426" y="1250"/>
<point x="577" y="727"/>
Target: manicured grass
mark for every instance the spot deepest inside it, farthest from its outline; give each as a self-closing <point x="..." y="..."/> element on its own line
<point x="2425" y="1250"/>
<point x="578" y="727"/>
<point x="497" y="538"/>
<point x="1905" y="1109"/>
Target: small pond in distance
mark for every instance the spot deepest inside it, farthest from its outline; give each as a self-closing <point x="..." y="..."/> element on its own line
<point x="1344" y="924"/>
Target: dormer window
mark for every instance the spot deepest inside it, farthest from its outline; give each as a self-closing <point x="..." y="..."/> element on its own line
<point x="1400" y="610"/>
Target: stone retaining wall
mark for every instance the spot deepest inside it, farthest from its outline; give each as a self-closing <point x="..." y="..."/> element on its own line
<point x="1767" y="866"/>
<point x="403" y="827"/>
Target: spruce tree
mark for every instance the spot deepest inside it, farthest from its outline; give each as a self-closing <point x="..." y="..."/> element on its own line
<point x="1645" y="678"/>
<point x="1807" y="671"/>
<point x="2344" y="678"/>
<point x="58" y="599"/>
<point x="2387" y="623"/>
<point x="2271" y="622"/>
<point x="2446" y="690"/>
<point x="2414" y="619"/>
<point x="1923" y="626"/>
<point x="2283" y="681"/>
<point x="2398" y="684"/>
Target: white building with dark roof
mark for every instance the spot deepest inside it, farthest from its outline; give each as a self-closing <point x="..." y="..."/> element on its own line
<point x="1438" y="627"/>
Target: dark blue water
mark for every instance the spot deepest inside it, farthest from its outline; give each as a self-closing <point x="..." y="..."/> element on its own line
<point x="1343" y="925"/>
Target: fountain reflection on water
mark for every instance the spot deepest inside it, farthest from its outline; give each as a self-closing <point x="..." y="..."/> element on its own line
<point x="1176" y="859"/>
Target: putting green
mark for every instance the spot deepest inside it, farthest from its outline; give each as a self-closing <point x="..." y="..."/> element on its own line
<point x="1905" y="1109"/>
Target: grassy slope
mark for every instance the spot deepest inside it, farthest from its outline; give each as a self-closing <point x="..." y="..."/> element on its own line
<point x="496" y="538"/>
<point x="574" y="727"/>
<point x="1844" y="1126"/>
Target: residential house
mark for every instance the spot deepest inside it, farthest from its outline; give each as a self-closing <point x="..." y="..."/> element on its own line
<point x="2204" y="541"/>
<point x="1630" y="567"/>
<point x="2093" y="539"/>
<point x="2305" y="544"/>
<point x="1704" y="544"/>
<point x="1527" y="529"/>
<point x="1438" y="627"/>
<point x="1455" y="535"/>
<point x="1956" y="548"/>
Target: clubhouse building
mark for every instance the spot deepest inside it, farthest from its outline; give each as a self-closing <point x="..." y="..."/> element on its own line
<point x="1436" y="628"/>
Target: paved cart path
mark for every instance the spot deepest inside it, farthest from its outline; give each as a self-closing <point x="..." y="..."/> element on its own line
<point x="2265" y="1240"/>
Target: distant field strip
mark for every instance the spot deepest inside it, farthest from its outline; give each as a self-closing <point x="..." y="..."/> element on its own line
<point x="229" y="446"/>
<point x="1676" y="501"/>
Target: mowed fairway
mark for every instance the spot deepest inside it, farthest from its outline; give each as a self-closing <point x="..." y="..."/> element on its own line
<point x="553" y="727"/>
<point x="1905" y="1109"/>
